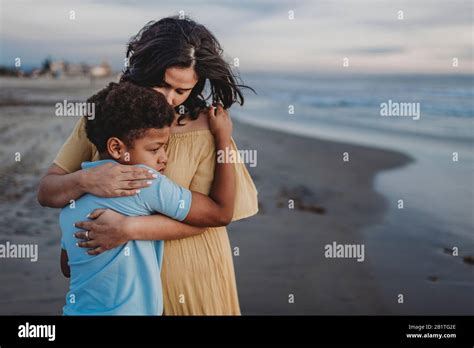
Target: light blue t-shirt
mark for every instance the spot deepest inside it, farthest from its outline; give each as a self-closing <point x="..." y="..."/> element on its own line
<point x="125" y="280"/>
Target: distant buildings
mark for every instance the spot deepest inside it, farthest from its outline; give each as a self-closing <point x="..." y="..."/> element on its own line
<point x="103" y="70"/>
<point x="61" y="69"/>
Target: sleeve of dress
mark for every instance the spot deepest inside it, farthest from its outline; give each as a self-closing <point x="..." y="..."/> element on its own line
<point x="246" y="202"/>
<point x="75" y="150"/>
<point x="246" y="195"/>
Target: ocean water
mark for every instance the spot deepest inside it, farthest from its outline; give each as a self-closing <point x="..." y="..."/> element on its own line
<point x="349" y="109"/>
<point x="409" y="248"/>
<point x="338" y="107"/>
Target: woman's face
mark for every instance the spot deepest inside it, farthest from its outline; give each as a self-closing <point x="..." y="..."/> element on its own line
<point x="177" y="84"/>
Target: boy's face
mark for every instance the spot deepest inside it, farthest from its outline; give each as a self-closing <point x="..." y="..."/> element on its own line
<point x="149" y="150"/>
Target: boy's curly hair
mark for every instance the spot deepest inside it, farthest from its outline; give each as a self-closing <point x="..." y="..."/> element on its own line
<point x="125" y="110"/>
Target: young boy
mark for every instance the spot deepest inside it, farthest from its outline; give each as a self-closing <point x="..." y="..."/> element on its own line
<point x="132" y="126"/>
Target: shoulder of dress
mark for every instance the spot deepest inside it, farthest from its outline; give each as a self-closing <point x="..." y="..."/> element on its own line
<point x="201" y="134"/>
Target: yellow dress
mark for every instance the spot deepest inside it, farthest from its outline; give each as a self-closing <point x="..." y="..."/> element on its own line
<point x="198" y="272"/>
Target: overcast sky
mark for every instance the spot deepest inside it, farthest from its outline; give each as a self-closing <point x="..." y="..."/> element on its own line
<point x="258" y="32"/>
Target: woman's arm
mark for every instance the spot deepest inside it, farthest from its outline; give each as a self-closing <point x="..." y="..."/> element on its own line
<point x="110" y="229"/>
<point x="65" y="181"/>
<point x="146" y="228"/>
<point x="57" y="188"/>
<point x="216" y="209"/>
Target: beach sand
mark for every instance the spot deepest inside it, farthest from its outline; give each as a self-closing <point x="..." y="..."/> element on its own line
<point x="280" y="251"/>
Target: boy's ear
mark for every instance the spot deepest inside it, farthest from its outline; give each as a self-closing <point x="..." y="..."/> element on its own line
<point x="116" y="148"/>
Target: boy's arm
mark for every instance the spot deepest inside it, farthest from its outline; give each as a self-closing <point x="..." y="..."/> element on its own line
<point x="64" y="264"/>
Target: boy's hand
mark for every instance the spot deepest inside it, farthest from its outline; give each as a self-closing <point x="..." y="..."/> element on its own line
<point x="220" y="123"/>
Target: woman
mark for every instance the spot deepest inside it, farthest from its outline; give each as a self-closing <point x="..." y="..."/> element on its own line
<point x="175" y="57"/>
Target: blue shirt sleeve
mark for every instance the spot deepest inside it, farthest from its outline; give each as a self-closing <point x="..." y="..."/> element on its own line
<point x="166" y="197"/>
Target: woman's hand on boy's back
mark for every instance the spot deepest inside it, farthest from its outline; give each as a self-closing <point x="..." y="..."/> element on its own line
<point x="106" y="230"/>
<point x="116" y="180"/>
<point x="220" y="123"/>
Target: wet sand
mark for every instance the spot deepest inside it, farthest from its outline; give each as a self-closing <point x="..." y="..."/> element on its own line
<point x="282" y="250"/>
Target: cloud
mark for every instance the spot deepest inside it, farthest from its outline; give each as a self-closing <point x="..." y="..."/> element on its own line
<point x="376" y="50"/>
<point x="259" y="33"/>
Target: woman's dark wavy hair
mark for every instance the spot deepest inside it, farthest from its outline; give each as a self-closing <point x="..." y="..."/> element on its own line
<point x="175" y="42"/>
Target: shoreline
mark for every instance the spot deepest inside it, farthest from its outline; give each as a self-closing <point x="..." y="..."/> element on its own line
<point x="408" y="252"/>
